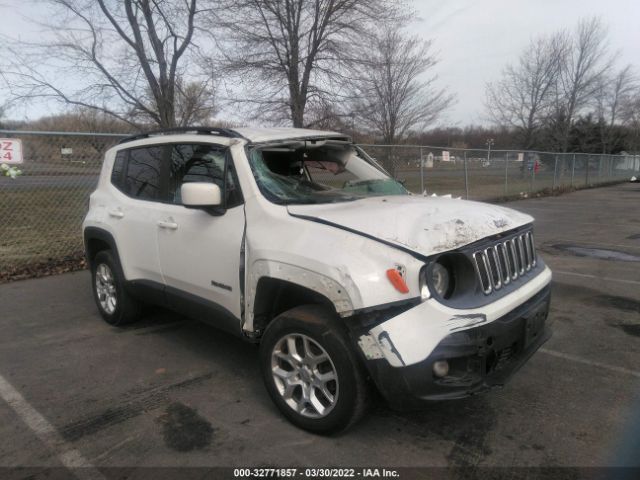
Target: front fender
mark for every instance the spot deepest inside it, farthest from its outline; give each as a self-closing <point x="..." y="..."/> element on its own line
<point x="340" y="294"/>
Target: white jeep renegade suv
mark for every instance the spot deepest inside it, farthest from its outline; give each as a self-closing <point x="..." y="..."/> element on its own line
<point x="297" y="240"/>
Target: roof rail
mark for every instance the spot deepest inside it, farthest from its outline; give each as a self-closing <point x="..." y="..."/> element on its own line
<point x="225" y="132"/>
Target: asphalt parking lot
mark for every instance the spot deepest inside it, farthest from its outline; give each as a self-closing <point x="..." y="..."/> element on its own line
<point x="173" y="392"/>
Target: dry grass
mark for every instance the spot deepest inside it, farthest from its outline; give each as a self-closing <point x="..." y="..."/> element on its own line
<point x="41" y="224"/>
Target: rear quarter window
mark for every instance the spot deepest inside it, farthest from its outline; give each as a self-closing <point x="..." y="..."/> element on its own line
<point x="117" y="173"/>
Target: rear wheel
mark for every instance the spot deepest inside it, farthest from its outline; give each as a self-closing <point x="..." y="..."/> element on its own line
<point x="115" y="305"/>
<point x="311" y="371"/>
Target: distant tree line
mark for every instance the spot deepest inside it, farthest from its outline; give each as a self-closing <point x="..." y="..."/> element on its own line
<point x="565" y="93"/>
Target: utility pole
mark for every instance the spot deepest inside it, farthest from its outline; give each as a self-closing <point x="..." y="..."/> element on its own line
<point x="466" y="176"/>
<point x="506" y="174"/>
<point x="421" y="172"/>
<point x="490" y="141"/>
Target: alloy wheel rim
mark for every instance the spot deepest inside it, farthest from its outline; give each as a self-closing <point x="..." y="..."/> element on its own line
<point x="304" y="375"/>
<point x="106" y="288"/>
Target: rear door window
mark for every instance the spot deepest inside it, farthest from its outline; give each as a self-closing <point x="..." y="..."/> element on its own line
<point x="143" y="178"/>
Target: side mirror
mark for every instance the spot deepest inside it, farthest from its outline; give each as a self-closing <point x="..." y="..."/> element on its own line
<point x="206" y="196"/>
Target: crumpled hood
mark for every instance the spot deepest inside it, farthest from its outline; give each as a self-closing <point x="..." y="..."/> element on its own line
<point x="426" y="225"/>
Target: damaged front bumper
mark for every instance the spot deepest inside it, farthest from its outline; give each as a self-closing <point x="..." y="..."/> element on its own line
<point x="474" y="351"/>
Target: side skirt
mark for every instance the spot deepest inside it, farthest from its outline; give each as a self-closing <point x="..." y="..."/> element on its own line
<point x="187" y="304"/>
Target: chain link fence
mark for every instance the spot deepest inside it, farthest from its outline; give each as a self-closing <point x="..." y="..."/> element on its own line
<point x="41" y="211"/>
<point x="493" y="175"/>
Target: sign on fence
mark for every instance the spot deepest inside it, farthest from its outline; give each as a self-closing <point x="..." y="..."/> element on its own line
<point x="445" y="156"/>
<point x="10" y="150"/>
<point x="66" y="151"/>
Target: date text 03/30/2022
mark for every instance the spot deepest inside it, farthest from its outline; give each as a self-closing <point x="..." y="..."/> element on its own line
<point x="316" y="472"/>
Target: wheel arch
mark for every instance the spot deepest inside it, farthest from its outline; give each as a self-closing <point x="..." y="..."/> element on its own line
<point x="275" y="287"/>
<point x="97" y="239"/>
<point x="275" y="296"/>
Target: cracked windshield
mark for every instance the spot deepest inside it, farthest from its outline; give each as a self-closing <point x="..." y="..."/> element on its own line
<point x="287" y="175"/>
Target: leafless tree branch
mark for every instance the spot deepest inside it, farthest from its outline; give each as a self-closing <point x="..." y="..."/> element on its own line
<point x="523" y="96"/>
<point x="285" y="54"/>
<point x="394" y="89"/>
<point x="131" y="59"/>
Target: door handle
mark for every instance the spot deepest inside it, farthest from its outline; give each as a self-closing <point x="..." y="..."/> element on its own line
<point x="167" y="224"/>
<point x="116" y="213"/>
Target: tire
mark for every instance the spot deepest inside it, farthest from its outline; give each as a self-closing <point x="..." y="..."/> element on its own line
<point x="114" y="303"/>
<point x="316" y="332"/>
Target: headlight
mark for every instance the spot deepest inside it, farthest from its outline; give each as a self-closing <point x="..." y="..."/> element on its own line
<point x="447" y="277"/>
<point x="438" y="278"/>
<point x="441" y="280"/>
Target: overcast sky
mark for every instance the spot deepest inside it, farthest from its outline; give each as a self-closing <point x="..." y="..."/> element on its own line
<point x="474" y="38"/>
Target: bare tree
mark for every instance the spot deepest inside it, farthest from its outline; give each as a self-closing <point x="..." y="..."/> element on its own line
<point x="630" y="115"/>
<point x="288" y="54"/>
<point x="327" y="115"/>
<point x="585" y="66"/>
<point x="521" y="99"/>
<point x="194" y="103"/>
<point x="129" y="59"/>
<point x="394" y="88"/>
<point x="612" y="95"/>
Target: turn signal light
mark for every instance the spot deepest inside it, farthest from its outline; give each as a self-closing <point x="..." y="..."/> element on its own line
<point x="397" y="281"/>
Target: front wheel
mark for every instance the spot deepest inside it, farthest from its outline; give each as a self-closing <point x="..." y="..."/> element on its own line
<point x="311" y="371"/>
<point x="114" y="303"/>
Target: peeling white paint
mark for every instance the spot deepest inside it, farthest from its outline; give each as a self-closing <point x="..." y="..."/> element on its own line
<point x="389" y="350"/>
<point x="331" y="289"/>
<point x="370" y="347"/>
<point x="461" y="322"/>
